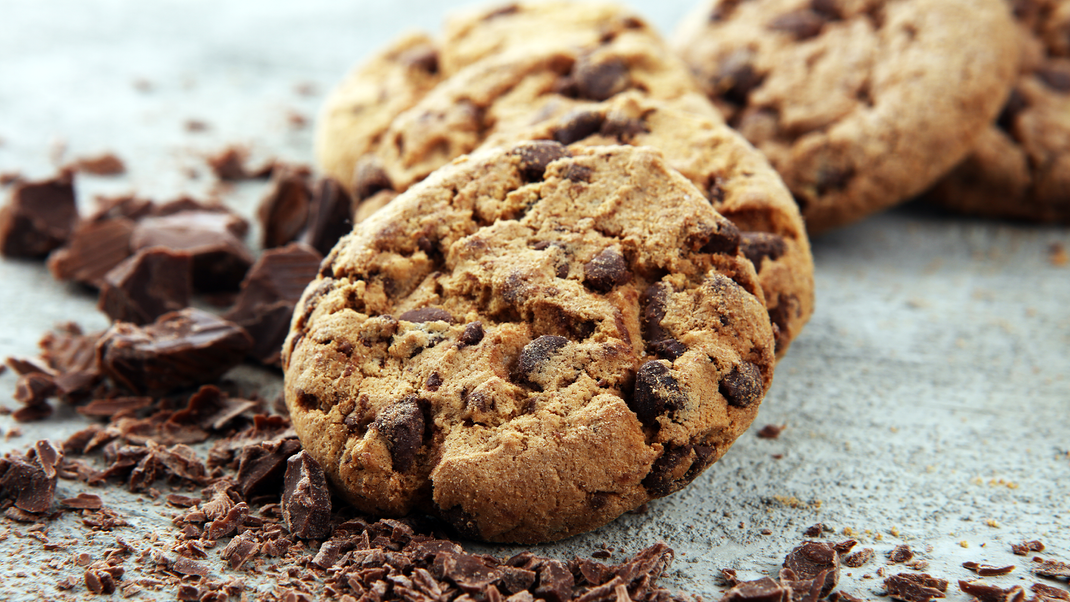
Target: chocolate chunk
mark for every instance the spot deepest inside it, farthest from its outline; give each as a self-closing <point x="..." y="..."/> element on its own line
<point x="654" y="301"/>
<point x="229" y="522"/>
<point x="1057" y="79"/>
<point x="1051" y="568"/>
<point x="811" y="560"/>
<point x="283" y="212"/>
<point x="433" y="382"/>
<point x="832" y="178"/>
<point x="306" y="502"/>
<point x="1047" y="593"/>
<point x="982" y="592"/>
<point x="803" y="24"/>
<point x="269" y="294"/>
<point x="262" y="465"/>
<point x="772" y="431"/>
<point x="401" y="425"/>
<point x="94" y="248"/>
<point x="669" y="349"/>
<point x="426" y="314"/>
<point x="229" y="165"/>
<point x="473" y="334"/>
<point x="220" y="259"/>
<point x="606" y="270"/>
<point x="106" y="164"/>
<point x="423" y="58"/>
<point x="911" y="587"/>
<point x="721" y="238"/>
<point x="108" y="407"/>
<point x="1024" y="548"/>
<point x="663" y="477"/>
<point x="987" y="570"/>
<point x="600" y="80"/>
<point x="814" y="530"/>
<point x="656" y="392"/>
<point x="534" y="355"/>
<point x="901" y="553"/>
<point x="240" y="550"/>
<point x="555" y="581"/>
<point x="183" y="348"/>
<point x="508" y="9"/>
<point x="759" y="590"/>
<point x="759" y="246"/>
<point x="858" y="558"/>
<point x="146" y="286"/>
<point x="84" y="501"/>
<point x="330" y="216"/>
<point x="578" y="173"/>
<point x="578" y="125"/>
<point x="369" y="177"/>
<point x="736" y="77"/>
<point x="38" y="218"/>
<point x="30" y="480"/>
<point x="742" y="386"/>
<point x="624" y="129"/>
<point x="827" y="9"/>
<point x="535" y="156"/>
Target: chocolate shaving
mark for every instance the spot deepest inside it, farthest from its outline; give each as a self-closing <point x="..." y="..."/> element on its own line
<point x="987" y="570"/>
<point x="1051" y="568"/>
<point x="859" y="558"/>
<point x="982" y="592"/>
<point x="1047" y="593"/>
<point x="911" y="587"/>
<point x="901" y="553"/>
<point x="1024" y="548"/>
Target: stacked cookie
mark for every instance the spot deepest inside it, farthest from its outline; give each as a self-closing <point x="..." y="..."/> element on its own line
<point x="569" y="285"/>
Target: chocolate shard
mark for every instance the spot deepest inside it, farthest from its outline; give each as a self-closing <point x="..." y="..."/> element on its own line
<point x="759" y="590"/>
<point x="401" y="425"/>
<point x="84" y="501"/>
<point x="656" y="392"/>
<point x="555" y="581"/>
<point x="742" y="386"/>
<point x="180" y="349"/>
<point x="269" y="294"/>
<point x="1024" y="548"/>
<point x="283" y="212"/>
<point x="900" y="553"/>
<point x="534" y="357"/>
<point x="811" y="560"/>
<point x="982" y="592"/>
<point x="142" y="288"/>
<point x="105" y="164"/>
<point x="306" y="502"/>
<point x="38" y="218"/>
<point x="1051" y="568"/>
<point x="759" y="246"/>
<point x="859" y="558"/>
<point x="30" y="480"/>
<point x="330" y="216"/>
<point x="600" y="80"/>
<point x="262" y="466"/>
<point x="1047" y="593"/>
<point x="240" y="550"/>
<point x="535" y="156"/>
<point x="426" y="314"/>
<point x="606" y="270"/>
<point x="220" y="259"/>
<point x="94" y="248"/>
<point x="912" y="587"/>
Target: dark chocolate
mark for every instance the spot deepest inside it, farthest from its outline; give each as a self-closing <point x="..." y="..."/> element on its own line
<point x="284" y="210"/>
<point x="606" y="270"/>
<point x="94" y="248"/>
<point x="330" y="216"/>
<point x="38" y="218"/>
<point x="536" y="156"/>
<point x="306" y="502"/>
<point x="220" y="259"/>
<point x="914" y="587"/>
<point x="142" y="288"/>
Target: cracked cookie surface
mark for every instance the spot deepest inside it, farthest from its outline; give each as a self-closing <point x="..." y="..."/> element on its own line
<point x="859" y="104"/>
<point x="529" y="343"/>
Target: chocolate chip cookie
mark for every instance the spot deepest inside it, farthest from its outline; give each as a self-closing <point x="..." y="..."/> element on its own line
<point x="735" y="178"/>
<point x="859" y="104"/>
<point x="1020" y="167"/>
<point x="530" y="342"/>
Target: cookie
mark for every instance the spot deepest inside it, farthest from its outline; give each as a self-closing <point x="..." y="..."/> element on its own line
<point x="1020" y="167"/>
<point x="529" y="343"/>
<point x="734" y="177"/>
<point x="859" y="104"/>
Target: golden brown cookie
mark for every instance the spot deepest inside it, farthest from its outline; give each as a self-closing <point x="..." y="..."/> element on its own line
<point x="1020" y="167"/>
<point x="529" y="343"/>
<point x="859" y="104"/>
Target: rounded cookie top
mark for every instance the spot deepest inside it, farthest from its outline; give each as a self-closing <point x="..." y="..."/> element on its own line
<point x="1020" y="166"/>
<point x="858" y="104"/>
<point x="735" y="178"/>
<point x="529" y="343"/>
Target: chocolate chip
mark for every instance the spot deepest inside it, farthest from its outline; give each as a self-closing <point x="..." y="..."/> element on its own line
<point x="180" y="349"/>
<point x="461" y="521"/>
<point x="473" y="334"/>
<point x="982" y="592"/>
<point x="427" y="314"/>
<point x="656" y="392"/>
<point x="283" y="212"/>
<point x="39" y="217"/>
<point x="1016" y="103"/>
<point x="660" y="480"/>
<point x="330" y="216"/>
<point x="758" y="246"/>
<point x="606" y="270"/>
<point x="578" y="125"/>
<point x="912" y="587"/>
<point x="759" y="590"/>
<point x="827" y="9"/>
<point x="601" y="80"/>
<point x="772" y="431"/>
<point x="742" y="387"/>
<point x="1057" y="79"/>
<point x="508" y="9"/>
<point x="306" y="501"/>
<point x="901" y="553"/>
<point x="535" y="156"/>
<point x="401" y="425"/>
<point x="146" y="286"/>
<point x="262" y="466"/>
<point x="624" y="129"/>
<point x="433" y="382"/>
<point x="736" y="77"/>
<point x="654" y="301"/>
<point x="534" y="356"/>
<point x="578" y="173"/>
<point x="423" y="57"/>
<point x="1048" y="593"/>
<point x="369" y="177"/>
<point x="803" y="24"/>
<point x="715" y="191"/>
<point x="669" y="349"/>
<point x="833" y="179"/>
<point x="814" y="559"/>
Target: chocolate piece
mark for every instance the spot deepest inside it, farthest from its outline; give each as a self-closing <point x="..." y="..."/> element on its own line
<point x="656" y="392"/>
<point x="660" y="480"/>
<point x="144" y="287"/>
<point x="473" y="334"/>
<point x="901" y="553"/>
<point x="182" y="348"/>
<point x="803" y="24"/>
<point x="578" y="125"/>
<point x="577" y="173"/>
<point x="606" y="270"/>
<point x="736" y="77"/>
<point x="369" y="177"/>
<point x="1047" y="593"/>
<point x="263" y="465"/>
<point x="93" y="249"/>
<point x="759" y="246"/>
<point x="426" y="314"/>
<point x="268" y="296"/>
<point x="229" y="164"/>
<point x="669" y="349"/>
<point x="812" y="559"/>
<point x="1024" y="548"/>
<point x="240" y="550"/>
<point x="533" y="358"/>
<point x="742" y="386"/>
<point x="982" y="592"/>
<point x="722" y="238"/>
<point x="306" y="502"/>
<point x="814" y="530"/>
<point x="283" y="212"/>
<point x="106" y="408"/>
<point x="536" y="156"/>
<point x="84" y="501"/>
<point x="1051" y="568"/>
<point x="229" y="522"/>
<point x="106" y="164"/>
<point x="401" y="424"/>
<point x="845" y="546"/>
<point x="555" y="581"/>
<point x="772" y="431"/>
<point x="30" y="480"/>
<point x="759" y="590"/>
<point x="653" y="301"/>
<point x="39" y="217"/>
<point x="330" y="216"/>
<point x="987" y="570"/>
<point x="624" y="129"/>
<point x="858" y="558"/>
<point x="600" y="80"/>
<point x="911" y="587"/>
<point x="220" y="259"/>
<point x="1057" y="79"/>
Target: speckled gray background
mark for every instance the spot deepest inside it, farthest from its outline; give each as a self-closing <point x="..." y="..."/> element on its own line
<point x="928" y="397"/>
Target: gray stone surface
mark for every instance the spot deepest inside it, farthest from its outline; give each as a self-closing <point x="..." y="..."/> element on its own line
<point x="926" y="403"/>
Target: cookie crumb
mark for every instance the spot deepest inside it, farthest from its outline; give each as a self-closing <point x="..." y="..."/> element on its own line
<point x="1057" y="255"/>
<point x="770" y="431"/>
